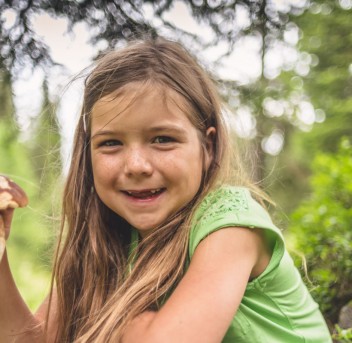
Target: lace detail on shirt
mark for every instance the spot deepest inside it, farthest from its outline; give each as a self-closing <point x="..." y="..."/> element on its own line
<point x="220" y="202"/>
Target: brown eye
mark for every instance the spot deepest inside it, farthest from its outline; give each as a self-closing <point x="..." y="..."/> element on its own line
<point x="110" y="143"/>
<point x="163" y="140"/>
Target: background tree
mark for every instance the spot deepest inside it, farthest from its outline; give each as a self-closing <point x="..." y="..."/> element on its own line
<point x="113" y="21"/>
<point x="319" y="88"/>
<point x="45" y="145"/>
<point x="326" y="31"/>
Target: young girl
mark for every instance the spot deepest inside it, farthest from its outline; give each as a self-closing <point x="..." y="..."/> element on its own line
<point x="161" y="238"/>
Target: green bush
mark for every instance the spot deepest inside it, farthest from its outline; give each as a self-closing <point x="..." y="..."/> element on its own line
<point x="321" y="231"/>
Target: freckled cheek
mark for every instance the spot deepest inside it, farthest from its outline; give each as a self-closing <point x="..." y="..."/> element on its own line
<point x="164" y="162"/>
<point x="105" y="169"/>
<point x="169" y="160"/>
<point x="185" y="168"/>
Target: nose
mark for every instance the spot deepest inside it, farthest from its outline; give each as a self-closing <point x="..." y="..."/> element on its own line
<point x="138" y="162"/>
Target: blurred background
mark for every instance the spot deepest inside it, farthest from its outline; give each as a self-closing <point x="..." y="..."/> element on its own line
<point x="284" y="69"/>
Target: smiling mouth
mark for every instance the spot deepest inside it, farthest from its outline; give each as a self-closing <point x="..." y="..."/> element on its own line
<point x="144" y="194"/>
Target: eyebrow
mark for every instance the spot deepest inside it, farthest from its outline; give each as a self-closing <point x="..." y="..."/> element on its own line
<point x="168" y="128"/>
<point x="102" y="133"/>
<point x="156" y="129"/>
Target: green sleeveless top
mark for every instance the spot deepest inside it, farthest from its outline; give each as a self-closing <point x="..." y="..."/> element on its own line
<point x="276" y="307"/>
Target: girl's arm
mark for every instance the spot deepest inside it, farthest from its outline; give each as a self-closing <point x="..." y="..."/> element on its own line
<point x="204" y="303"/>
<point x="42" y="316"/>
<point x="17" y="323"/>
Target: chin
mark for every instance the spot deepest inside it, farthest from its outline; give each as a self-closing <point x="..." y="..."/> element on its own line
<point x="142" y="226"/>
<point x="145" y="230"/>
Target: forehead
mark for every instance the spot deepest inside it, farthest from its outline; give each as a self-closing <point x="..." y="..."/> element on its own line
<point x="137" y="94"/>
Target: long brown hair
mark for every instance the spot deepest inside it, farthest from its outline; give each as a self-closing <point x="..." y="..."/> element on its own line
<point x="97" y="295"/>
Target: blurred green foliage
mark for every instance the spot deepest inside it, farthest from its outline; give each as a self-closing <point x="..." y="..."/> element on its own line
<point x="32" y="232"/>
<point x="342" y="335"/>
<point x="321" y="230"/>
<point x="29" y="235"/>
<point x="326" y="43"/>
<point x="325" y="50"/>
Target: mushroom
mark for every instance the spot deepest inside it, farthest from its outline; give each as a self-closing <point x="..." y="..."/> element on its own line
<point x="11" y="196"/>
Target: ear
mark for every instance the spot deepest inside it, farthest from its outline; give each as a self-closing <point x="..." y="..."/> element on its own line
<point x="209" y="146"/>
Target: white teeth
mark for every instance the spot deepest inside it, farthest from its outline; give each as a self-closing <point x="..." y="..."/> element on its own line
<point x="155" y="190"/>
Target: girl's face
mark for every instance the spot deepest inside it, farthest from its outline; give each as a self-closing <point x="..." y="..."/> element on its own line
<point x="147" y="157"/>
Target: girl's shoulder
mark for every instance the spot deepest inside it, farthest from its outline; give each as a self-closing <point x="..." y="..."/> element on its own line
<point x="235" y="204"/>
<point x="232" y="206"/>
<point x="222" y="201"/>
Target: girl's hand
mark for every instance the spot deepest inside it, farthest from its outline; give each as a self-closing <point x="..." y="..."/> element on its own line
<point x="11" y="197"/>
